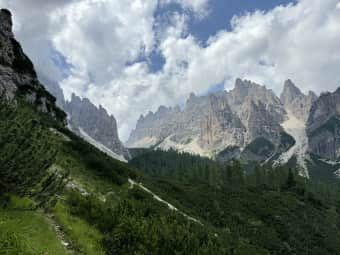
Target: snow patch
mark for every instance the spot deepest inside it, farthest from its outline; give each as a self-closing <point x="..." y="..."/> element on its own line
<point x="100" y="146"/>
<point x="297" y="129"/>
<point x="157" y="198"/>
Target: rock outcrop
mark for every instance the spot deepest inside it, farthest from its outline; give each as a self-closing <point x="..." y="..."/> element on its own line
<point x="209" y="124"/>
<point x="86" y="119"/>
<point x="17" y="74"/>
<point x="18" y="78"/>
<point x="296" y="102"/>
<point x="246" y="93"/>
<point x="323" y="126"/>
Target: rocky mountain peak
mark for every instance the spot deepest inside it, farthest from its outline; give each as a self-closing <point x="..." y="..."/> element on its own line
<point x="6" y="23"/>
<point x="17" y="74"/>
<point x="312" y="95"/>
<point x="296" y="102"/>
<point x="323" y="126"/>
<point x="290" y="92"/>
<point x="87" y="120"/>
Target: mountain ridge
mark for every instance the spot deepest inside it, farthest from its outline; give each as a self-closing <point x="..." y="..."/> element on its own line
<point x="259" y="112"/>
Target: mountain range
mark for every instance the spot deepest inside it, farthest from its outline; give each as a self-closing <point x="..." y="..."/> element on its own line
<point x="249" y="122"/>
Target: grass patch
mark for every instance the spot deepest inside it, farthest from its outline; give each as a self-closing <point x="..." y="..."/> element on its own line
<point x="85" y="238"/>
<point x="27" y="233"/>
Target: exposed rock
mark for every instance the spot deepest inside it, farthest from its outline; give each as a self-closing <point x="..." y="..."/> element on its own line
<point x="220" y="127"/>
<point x="323" y="126"/>
<point x="231" y="152"/>
<point x="209" y="124"/>
<point x="296" y="102"/>
<point x="17" y="74"/>
<point x="246" y="92"/>
<point x="83" y="116"/>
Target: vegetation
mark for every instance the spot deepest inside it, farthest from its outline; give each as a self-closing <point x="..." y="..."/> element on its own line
<point x="269" y="211"/>
<point x="49" y="176"/>
<point x="26" y="231"/>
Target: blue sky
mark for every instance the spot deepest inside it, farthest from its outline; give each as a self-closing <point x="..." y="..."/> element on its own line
<point x="220" y="14"/>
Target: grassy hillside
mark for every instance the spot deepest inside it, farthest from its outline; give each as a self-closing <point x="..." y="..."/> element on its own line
<point x="61" y="195"/>
<point x="80" y="197"/>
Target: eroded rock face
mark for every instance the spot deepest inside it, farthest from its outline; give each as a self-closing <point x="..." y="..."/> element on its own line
<point x="246" y="92"/>
<point x="209" y="124"/>
<point x="296" y="102"/>
<point x="220" y="127"/>
<point x="83" y="116"/>
<point x="323" y="126"/>
<point x="15" y="68"/>
<point x="17" y="74"/>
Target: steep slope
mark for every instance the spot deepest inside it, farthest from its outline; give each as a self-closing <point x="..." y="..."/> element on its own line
<point x="296" y="102"/>
<point x="61" y="195"/>
<point x="91" y="122"/>
<point x="323" y="126"/>
<point x="205" y="125"/>
<point x="272" y="209"/>
<point x="209" y="124"/>
<point x="17" y="74"/>
<point x="73" y="191"/>
<point x="246" y="92"/>
<point x="298" y="107"/>
<point x="297" y="129"/>
<point x="88" y="121"/>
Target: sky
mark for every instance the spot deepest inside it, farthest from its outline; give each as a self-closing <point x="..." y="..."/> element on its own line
<point x="131" y="56"/>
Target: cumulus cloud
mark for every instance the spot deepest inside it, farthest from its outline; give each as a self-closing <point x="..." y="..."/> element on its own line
<point x="106" y="44"/>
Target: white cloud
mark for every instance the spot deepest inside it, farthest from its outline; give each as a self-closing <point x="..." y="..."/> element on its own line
<point x="98" y="38"/>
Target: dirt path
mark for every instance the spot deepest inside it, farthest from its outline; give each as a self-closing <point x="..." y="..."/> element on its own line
<point x="59" y="233"/>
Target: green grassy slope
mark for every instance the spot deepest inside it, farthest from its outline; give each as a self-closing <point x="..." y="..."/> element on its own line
<point x="27" y="231"/>
<point x="85" y="193"/>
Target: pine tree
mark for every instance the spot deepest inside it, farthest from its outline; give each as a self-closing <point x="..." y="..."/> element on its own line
<point x="290" y="183"/>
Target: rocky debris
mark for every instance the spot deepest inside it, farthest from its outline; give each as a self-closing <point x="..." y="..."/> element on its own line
<point x="296" y="128"/>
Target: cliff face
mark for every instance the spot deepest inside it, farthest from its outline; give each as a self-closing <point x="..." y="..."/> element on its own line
<point x="209" y="124"/>
<point x="87" y="120"/>
<point x="246" y="93"/>
<point x="17" y="74"/>
<point x="296" y="102"/>
<point x="18" y="78"/>
<point x="323" y="126"/>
